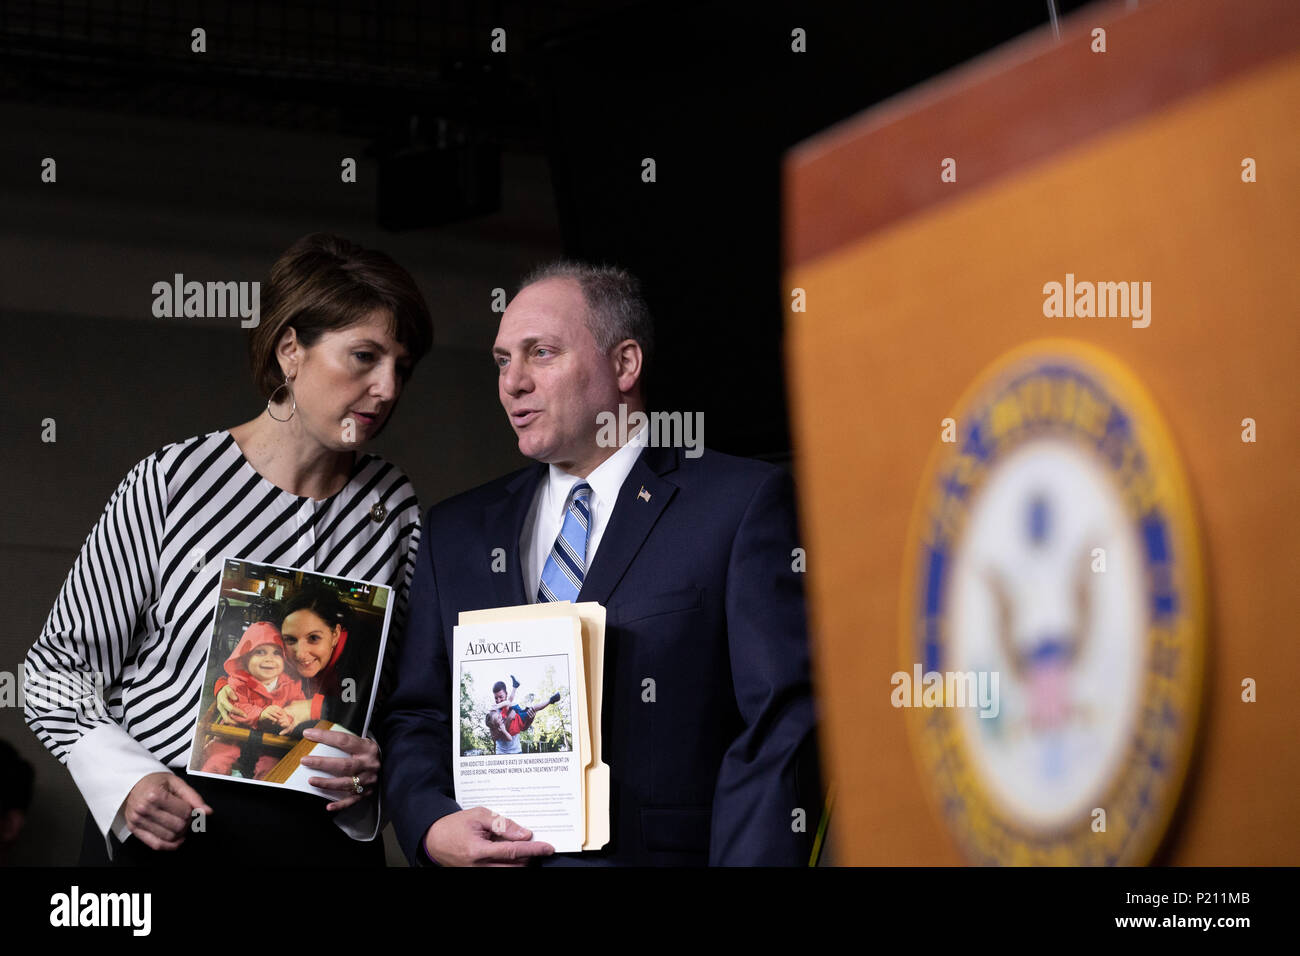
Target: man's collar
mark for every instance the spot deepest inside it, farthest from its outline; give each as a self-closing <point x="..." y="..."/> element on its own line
<point x="522" y="486"/>
<point x="605" y="479"/>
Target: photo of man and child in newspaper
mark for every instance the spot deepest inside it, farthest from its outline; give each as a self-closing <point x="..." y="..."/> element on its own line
<point x="514" y="715"/>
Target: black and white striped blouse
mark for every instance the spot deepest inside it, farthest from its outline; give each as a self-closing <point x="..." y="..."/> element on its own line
<point x="113" y="682"/>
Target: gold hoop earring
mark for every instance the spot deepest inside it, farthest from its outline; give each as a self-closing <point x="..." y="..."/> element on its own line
<point x="292" y="409"/>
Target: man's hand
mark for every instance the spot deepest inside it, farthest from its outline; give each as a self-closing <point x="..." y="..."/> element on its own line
<point x="159" y="808"/>
<point x="480" y="837"/>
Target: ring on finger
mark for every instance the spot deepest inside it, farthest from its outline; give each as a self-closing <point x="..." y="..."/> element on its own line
<point x="356" y="786"/>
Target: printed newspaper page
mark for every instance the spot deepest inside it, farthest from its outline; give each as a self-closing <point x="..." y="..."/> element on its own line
<point x="520" y="740"/>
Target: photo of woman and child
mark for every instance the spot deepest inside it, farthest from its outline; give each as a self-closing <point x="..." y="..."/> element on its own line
<point x="311" y="662"/>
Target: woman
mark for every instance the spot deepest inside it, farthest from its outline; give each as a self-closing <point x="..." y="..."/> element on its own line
<point x="341" y="328"/>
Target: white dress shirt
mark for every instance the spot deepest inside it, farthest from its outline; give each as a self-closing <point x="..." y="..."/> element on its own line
<point x="546" y="514"/>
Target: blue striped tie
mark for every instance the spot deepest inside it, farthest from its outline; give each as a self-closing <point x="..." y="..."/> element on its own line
<point x="567" y="564"/>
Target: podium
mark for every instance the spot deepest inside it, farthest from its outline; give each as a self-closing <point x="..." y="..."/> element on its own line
<point x="1042" y="330"/>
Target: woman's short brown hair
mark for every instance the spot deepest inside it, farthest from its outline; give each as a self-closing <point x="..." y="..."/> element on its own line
<point x="323" y="283"/>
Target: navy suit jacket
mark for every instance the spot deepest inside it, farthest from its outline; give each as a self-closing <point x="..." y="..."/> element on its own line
<point x="702" y="599"/>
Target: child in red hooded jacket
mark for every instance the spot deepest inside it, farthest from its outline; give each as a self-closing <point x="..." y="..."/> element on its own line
<point x="256" y="670"/>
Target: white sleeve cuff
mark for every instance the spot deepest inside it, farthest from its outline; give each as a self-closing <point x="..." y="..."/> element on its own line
<point x="364" y="819"/>
<point x="105" y="764"/>
<point x="361" y="820"/>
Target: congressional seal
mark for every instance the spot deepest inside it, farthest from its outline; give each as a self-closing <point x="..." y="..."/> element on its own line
<point x="1054" y="544"/>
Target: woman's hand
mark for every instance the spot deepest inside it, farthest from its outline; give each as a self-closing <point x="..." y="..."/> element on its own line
<point x="362" y="762"/>
<point x="159" y="809"/>
<point x="298" y="711"/>
<point x="226" y="705"/>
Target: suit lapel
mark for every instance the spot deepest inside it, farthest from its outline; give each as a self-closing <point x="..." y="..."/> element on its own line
<point x="503" y="521"/>
<point x="643" y="497"/>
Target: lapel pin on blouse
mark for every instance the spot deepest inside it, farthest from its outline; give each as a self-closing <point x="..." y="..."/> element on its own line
<point x="378" y="512"/>
<point x="643" y="494"/>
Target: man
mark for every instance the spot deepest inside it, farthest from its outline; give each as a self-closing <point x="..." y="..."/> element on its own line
<point x="707" y="716"/>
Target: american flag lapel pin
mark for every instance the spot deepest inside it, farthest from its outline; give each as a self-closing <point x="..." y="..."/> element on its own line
<point x="643" y="494"/>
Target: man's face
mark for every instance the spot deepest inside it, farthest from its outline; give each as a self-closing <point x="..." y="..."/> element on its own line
<point x="552" y="378"/>
<point x="500" y="696"/>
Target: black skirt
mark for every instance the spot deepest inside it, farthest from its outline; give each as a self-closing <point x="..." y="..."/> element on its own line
<point x="285" y="827"/>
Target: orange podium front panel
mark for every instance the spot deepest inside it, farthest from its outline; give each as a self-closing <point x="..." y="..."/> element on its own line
<point x="1041" y="346"/>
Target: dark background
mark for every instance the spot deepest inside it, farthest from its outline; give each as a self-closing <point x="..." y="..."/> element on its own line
<point x="472" y="167"/>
